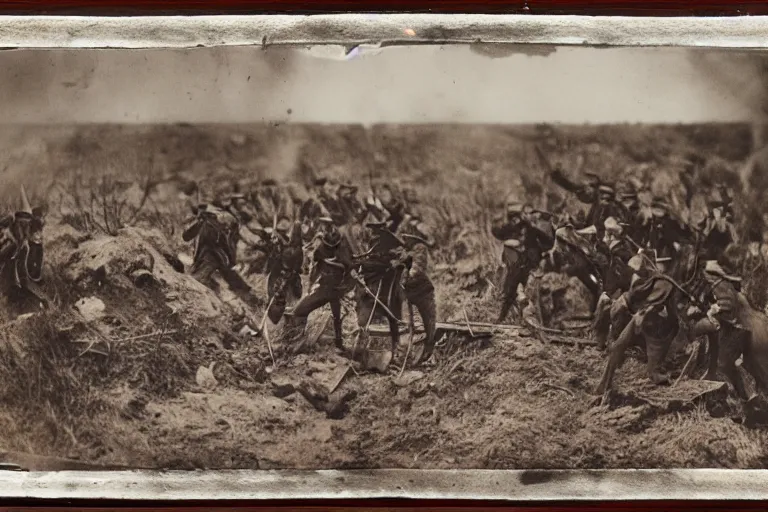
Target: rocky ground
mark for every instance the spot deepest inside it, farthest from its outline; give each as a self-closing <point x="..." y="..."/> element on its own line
<point x="138" y="364"/>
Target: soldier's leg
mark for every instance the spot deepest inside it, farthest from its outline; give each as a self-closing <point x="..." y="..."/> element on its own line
<point x="704" y="327"/>
<point x="427" y="309"/>
<point x="240" y="287"/>
<point x="203" y="271"/>
<point x="731" y="348"/>
<point x="396" y="307"/>
<point x="515" y="276"/>
<point x="656" y="350"/>
<point x="620" y="317"/>
<point x="616" y="354"/>
<point x="364" y="311"/>
<point x="309" y="303"/>
<point x="337" y="332"/>
<point x="601" y="325"/>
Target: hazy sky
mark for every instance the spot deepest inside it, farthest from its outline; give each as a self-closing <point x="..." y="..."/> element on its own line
<point x="399" y="85"/>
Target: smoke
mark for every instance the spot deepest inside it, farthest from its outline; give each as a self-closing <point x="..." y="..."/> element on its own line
<point x="506" y="84"/>
<point x="114" y="86"/>
<point x="741" y="75"/>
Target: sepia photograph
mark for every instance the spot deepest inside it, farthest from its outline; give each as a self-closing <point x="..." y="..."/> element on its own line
<point x="418" y="257"/>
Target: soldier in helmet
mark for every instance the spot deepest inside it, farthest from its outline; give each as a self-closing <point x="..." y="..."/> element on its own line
<point x="216" y="233"/>
<point x="285" y="260"/>
<point x="330" y="279"/>
<point x="21" y="256"/>
<point x="728" y="339"/>
<point x="617" y="276"/>
<point x="645" y="315"/>
<point x="418" y="288"/>
<point x="524" y="244"/>
<point x="666" y="232"/>
<point x="599" y="195"/>
<point x="717" y="228"/>
<point x="381" y="270"/>
<point x="633" y="218"/>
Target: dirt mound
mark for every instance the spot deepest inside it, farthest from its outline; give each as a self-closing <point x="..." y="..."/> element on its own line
<point x="135" y="258"/>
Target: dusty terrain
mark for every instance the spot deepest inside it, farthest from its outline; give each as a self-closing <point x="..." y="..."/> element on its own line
<point x="119" y="370"/>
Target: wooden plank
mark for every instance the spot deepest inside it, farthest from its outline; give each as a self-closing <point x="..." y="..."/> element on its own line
<point x="383" y="330"/>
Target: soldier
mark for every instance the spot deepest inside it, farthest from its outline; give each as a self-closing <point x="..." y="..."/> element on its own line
<point x="381" y="271"/>
<point x="633" y="219"/>
<point x="331" y="278"/>
<point x="216" y="232"/>
<point x="652" y="303"/>
<point x="523" y="248"/>
<point x="21" y="255"/>
<point x="717" y="228"/>
<point x="419" y="290"/>
<point x="720" y="323"/>
<point x="617" y="276"/>
<point x="284" y="264"/>
<point x="599" y="195"/>
<point x="394" y="207"/>
<point x="666" y="232"/>
<point x="352" y="210"/>
<point x="579" y="261"/>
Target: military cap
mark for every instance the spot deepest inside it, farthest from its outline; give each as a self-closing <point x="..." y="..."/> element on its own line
<point x="269" y="182"/>
<point x="606" y="190"/>
<point x="325" y="220"/>
<point x="284" y="225"/>
<point x="515" y="207"/>
<point x="636" y="262"/>
<point x="320" y="181"/>
<point x="712" y="267"/>
<point x="589" y="230"/>
<point x="612" y="226"/>
<point x="376" y="225"/>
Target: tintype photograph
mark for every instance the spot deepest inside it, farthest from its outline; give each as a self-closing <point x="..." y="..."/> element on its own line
<point x="422" y="257"/>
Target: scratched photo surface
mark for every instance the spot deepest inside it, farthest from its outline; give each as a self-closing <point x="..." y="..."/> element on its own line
<point x="476" y="257"/>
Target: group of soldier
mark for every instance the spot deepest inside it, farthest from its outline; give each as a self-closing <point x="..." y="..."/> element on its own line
<point x="651" y="275"/>
<point x="372" y="250"/>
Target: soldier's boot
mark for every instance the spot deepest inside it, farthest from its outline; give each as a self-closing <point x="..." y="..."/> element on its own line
<point x="337" y="332"/>
<point x="394" y="333"/>
<point x="508" y="301"/>
<point x="656" y="350"/>
<point x="616" y="355"/>
<point x="360" y="345"/>
<point x="602" y="321"/>
<point x="704" y="327"/>
<point x="203" y="272"/>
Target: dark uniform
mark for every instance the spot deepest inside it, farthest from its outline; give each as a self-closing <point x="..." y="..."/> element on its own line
<point x="524" y="244"/>
<point x="617" y="276"/>
<point x="717" y="228"/>
<point x="652" y="303"/>
<point x="381" y="274"/>
<point x="727" y="338"/>
<point x="21" y="256"/>
<point x="666" y="232"/>
<point x="216" y="233"/>
<point x="419" y="290"/>
<point x="285" y="264"/>
<point x="332" y="279"/>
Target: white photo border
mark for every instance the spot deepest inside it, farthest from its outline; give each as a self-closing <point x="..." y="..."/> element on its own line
<point x="82" y="32"/>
